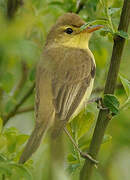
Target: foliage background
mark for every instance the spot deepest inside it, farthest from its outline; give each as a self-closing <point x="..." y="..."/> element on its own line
<point x="21" y="42"/>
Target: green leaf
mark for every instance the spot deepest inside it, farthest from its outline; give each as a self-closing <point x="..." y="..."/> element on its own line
<point x="105" y="31"/>
<point x="70" y="5"/>
<point x="112" y="11"/>
<point x="82" y="123"/>
<point x="11" y="135"/>
<point x="84" y="145"/>
<point x="93" y="4"/>
<point x="73" y="163"/>
<point x="95" y="22"/>
<point x="67" y="5"/>
<point x="32" y="74"/>
<point x="106" y="138"/>
<point x="21" y="139"/>
<point x="5" y="169"/>
<point x="15" y="171"/>
<point x="1" y="124"/>
<point x="56" y="3"/>
<point x="2" y="158"/>
<point x="9" y="105"/>
<point x="110" y="37"/>
<point x="21" y="171"/>
<point x="3" y="142"/>
<point x="126" y="85"/>
<point x="11" y="130"/>
<point x="73" y="167"/>
<point x="11" y="139"/>
<point x="111" y="102"/>
<point x="101" y="57"/>
<point x="72" y="158"/>
<point x="7" y="82"/>
<point x="123" y="34"/>
<point x="126" y="104"/>
<point x="84" y="26"/>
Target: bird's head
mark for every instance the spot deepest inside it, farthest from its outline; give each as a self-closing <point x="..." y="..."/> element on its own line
<point x="67" y="32"/>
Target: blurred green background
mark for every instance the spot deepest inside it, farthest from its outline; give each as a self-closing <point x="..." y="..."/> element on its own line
<point x="22" y="38"/>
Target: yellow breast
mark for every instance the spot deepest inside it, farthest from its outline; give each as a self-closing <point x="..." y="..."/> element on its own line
<point x="83" y="103"/>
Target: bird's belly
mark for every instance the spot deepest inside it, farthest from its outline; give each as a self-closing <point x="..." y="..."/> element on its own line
<point x="83" y="103"/>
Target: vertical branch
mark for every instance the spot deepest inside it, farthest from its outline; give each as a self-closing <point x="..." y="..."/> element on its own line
<point x="103" y="118"/>
<point x="12" y="6"/>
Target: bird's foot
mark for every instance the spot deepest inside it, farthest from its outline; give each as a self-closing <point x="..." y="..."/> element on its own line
<point x="99" y="102"/>
<point x="100" y="105"/>
<point x="93" y="100"/>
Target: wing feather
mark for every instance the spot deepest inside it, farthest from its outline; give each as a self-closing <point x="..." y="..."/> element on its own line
<point x="70" y="84"/>
<point x="65" y="74"/>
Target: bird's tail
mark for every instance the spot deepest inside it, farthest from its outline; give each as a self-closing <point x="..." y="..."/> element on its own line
<point x="57" y="127"/>
<point x="33" y="142"/>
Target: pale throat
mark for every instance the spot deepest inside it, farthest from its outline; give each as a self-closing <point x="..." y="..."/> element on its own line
<point x="78" y="41"/>
<point x="81" y="42"/>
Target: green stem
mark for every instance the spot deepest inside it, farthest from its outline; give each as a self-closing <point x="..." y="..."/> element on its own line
<point x="105" y="7"/>
<point x="110" y="21"/>
<point x="103" y="118"/>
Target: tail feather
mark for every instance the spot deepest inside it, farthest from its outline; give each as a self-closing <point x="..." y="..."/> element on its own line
<point x="57" y="127"/>
<point x="33" y="142"/>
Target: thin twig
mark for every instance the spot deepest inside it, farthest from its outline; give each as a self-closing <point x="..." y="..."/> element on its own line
<point x="103" y="119"/>
<point x="19" y="104"/>
<point x="84" y="155"/>
<point x="24" y="110"/>
<point x="24" y="72"/>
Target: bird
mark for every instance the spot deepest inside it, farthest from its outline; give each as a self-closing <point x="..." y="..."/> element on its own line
<point x="64" y="78"/>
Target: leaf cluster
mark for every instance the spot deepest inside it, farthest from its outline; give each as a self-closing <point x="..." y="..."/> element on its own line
<point x="11" y="144"/>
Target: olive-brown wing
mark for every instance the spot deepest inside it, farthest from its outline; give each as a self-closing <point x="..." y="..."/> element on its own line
<point x="71" y="82"/>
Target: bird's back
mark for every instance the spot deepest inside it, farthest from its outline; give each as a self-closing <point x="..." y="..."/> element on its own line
<point x="69" y="72"/>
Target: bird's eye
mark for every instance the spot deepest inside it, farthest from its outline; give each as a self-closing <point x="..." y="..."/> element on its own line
<point x="69" y="31"/>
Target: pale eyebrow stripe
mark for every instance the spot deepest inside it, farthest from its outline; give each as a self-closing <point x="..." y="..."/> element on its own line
<point x="75" y="26"/>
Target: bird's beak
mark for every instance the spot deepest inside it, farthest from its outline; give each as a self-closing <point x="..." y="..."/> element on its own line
<point x="91" y="29"/>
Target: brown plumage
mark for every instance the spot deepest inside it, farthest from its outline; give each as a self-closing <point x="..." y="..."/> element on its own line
<point x="63" y="76"/>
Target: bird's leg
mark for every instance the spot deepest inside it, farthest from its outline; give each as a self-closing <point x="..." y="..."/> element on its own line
<point x="93" y="100"/>
<point x="84" y="155"/>
<point x="99" y="102"/>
